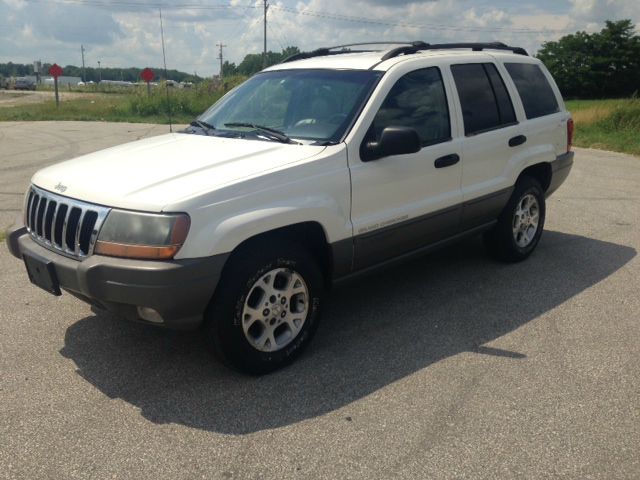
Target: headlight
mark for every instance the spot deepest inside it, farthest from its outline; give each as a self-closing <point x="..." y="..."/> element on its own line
<point x="142" y="235"/>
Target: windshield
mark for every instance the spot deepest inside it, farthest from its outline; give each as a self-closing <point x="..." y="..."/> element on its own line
<point x="315" y="105"/>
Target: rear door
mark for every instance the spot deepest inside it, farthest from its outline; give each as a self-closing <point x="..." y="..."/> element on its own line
<point x="492" y="138"/>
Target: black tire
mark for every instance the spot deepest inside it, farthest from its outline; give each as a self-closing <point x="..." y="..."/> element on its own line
<point x="223" y="320"/>
<point x="501" y="241"/>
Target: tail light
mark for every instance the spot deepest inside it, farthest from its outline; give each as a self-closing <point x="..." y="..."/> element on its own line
<point x="569" y="134"/>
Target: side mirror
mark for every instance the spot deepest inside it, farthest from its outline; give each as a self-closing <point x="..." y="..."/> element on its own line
<point x="393" y="141"/>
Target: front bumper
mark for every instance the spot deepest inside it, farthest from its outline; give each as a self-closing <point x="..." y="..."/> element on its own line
<point x="179" y="290"/>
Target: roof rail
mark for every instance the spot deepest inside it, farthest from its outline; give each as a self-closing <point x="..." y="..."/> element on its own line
<point x="476" y="47"/>
<point x="405" y="49"/>
<point x="320" y="52"/>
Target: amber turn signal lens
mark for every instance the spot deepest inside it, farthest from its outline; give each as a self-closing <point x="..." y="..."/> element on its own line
<point x="136" y="251"/>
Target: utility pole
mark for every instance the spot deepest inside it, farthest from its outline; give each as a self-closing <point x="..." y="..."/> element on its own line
<point x="264" y="52"/>
<point x="84" y="75"/>
<point x="99" y="72"/>
<point x="220" y="56"/>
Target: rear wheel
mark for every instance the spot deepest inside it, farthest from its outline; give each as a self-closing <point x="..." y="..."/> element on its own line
<point x="266" y="308"/>
<point x="520" y="224"/>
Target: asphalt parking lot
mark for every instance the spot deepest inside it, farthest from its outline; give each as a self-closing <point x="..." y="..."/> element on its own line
<point x="452" y="366"/>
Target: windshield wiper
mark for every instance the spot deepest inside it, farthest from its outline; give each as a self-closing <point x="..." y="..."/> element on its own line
<point x="202" y="125"/>
<point x="272" y="133"/>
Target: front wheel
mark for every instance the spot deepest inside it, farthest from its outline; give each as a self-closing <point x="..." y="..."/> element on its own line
<point x="266" y="308"/>
<point x="520" y="224"/>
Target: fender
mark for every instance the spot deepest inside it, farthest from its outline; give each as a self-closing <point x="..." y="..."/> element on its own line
<point x="225" y="235"/>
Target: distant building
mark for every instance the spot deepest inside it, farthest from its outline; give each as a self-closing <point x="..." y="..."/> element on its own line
<point x="63" y="81"/>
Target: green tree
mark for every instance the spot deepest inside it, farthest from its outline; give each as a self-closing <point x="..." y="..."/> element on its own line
<point x="229" y="69"/>
<point x="252" y="63"/>
<point x="597" y="65"/>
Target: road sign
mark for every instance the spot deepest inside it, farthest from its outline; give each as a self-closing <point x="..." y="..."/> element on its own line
<point x="55" y="70"/>
<point x="147" y="75"/>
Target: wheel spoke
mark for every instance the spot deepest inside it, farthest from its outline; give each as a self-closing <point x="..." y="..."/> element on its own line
<point x="525" y="220"/>
<point x="280" y="295"/>
<point x="295" y="323"/>
<point x="267" y="341"/>
<point x="249" y="312"/>
<point x="295" y="286"/>
<point x="528" y="233"/>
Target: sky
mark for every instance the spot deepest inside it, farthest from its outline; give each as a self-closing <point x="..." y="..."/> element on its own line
<point x="126" y="33"/>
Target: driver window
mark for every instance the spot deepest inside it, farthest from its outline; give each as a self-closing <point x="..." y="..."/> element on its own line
<point x="417" y="100"/>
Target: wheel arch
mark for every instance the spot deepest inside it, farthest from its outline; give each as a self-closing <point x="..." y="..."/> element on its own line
<point x="541" y="172"/>
<point x="311" y="235"/>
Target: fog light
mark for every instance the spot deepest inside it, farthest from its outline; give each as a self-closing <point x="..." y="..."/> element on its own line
<point x="150" y="315"/>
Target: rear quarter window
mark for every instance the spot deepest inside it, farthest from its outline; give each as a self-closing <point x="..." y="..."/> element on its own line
<point x="535" y="92"/>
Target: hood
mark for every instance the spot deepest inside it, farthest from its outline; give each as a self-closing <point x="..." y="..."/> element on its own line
<point x="152" y="173"/>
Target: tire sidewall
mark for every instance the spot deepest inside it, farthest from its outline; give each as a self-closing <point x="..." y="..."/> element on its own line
<point x="528" y="186"/>
<point x="226" y="318"/>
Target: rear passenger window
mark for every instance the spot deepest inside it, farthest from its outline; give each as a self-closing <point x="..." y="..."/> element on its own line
<point x="537" y="95"/>
<point x="486" y="104"/>
<point x="417" y="100"/>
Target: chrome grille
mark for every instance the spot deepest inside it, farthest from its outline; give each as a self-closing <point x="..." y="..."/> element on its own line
<point x="63" y="224"/>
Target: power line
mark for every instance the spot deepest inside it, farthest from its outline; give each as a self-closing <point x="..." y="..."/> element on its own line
<point x="278" y="38"/>
<point x="293" y="11"/>
<point x="283" y="39"/>
<point x="149" y="5"/>
<point x="433" y="26"/>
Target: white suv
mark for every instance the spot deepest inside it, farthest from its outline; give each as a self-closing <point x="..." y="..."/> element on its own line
<point x="312" y="171"/>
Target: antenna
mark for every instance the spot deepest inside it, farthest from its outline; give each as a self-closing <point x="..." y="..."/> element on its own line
<point x="166" y="78"/>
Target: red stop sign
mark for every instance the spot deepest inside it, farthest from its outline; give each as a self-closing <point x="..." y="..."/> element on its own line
<point x="55" y="71"/>
<point x="147" y="75"/>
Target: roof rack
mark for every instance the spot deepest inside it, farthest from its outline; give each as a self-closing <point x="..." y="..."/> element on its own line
<point x="476" y="47"/>
<point x="324" y="51"/>
<point x="405" y="49"/>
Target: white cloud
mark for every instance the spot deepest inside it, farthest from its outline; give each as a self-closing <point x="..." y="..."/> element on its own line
<point x="129" y="35"/>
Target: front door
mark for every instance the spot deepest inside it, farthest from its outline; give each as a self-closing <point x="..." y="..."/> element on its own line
<point x="403" y="202"/>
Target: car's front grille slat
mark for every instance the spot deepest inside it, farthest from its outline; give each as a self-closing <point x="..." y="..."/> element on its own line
<point x="42" y="210"/>
<point x="40" y="214"/>
<point x="48" y="219"/>
<point x="27" y="215"/>
<point x="76" y="244"/>
<point x="56" y="234"/>
<point x="32" y="212"/>
<point x="63" y="224"/>
<point x="72" y="225"/>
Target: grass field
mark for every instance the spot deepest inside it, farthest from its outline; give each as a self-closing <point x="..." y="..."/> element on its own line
<point x="134" y="106"/>
<point x="607" y="124"/>
<point x="603" y="124"/>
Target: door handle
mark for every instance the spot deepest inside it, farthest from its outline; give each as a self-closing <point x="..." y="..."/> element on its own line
<point x="447" y="160"/>
<point x="517" y="140"/>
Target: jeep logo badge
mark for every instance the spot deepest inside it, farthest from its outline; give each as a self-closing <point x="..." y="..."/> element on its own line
<point x="60" y="187"/>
